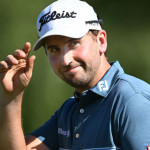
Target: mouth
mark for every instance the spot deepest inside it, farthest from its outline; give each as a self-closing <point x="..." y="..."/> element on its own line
<point x="72" y="69"/>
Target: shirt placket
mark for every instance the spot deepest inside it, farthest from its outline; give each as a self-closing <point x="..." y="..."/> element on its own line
<point x="79" y="119"/>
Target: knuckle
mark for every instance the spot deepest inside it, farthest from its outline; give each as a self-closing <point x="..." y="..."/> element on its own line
<point x="10" y="59"/>
<point x="19" y="53"/>
<point x="9" y="56"/>
<point x="3" y="64"/>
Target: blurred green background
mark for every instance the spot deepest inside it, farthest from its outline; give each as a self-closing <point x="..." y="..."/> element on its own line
<point x="127" y="23"/>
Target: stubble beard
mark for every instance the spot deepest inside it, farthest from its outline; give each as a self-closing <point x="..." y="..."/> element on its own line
<point x="82" y="79"/>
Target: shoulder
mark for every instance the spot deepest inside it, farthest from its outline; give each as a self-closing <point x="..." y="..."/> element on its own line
<point x="136" y="83"/>
<point x="130" y="94"/>
<point x="131" y="108"/>
<point x="128" y="86"/>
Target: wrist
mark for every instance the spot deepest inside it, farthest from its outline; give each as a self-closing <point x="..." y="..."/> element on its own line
<point x="6" y="98"/>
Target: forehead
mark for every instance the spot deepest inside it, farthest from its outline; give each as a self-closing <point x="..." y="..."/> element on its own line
<point x="55" y="39"/>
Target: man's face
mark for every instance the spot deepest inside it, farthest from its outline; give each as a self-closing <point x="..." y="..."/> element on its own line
<point x="76" y="61"/>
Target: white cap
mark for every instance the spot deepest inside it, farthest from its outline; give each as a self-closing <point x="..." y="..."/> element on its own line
<point x="71" y="18"/>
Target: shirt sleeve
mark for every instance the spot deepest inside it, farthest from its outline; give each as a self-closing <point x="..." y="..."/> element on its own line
<point x="134" y="123"/>
<point x="48" y="133"/>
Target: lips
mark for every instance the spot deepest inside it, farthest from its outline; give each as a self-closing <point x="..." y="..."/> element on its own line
<point x="71" y="69"/>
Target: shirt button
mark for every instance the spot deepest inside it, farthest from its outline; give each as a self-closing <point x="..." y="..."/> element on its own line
<point x="81" y="111"/>
<point x="77" y="135"/>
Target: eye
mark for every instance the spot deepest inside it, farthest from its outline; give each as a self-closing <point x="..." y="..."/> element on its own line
<point x="74" y="43"/>
<point x="52" y="49"/>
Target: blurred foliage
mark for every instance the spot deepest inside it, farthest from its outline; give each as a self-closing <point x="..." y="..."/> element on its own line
<point x="126" y="22"/>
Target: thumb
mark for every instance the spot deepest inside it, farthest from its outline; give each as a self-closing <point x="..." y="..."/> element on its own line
<point x="27" y="47"/>
<point x="29" y="67"/>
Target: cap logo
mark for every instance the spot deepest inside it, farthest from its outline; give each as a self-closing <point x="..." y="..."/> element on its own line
<point x="54" y="15"/>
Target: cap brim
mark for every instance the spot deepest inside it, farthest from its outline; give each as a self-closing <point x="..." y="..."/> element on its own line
<point x="72" y="33"/>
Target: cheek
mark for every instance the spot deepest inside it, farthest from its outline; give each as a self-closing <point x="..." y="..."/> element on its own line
<point x="54" y="63"/>
<point x="84" y="52"/>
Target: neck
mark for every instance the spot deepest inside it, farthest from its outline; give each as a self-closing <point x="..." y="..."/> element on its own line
<point x="104" y="67"/>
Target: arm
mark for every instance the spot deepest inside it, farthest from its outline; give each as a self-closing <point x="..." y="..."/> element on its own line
<point x="15" y="74"/>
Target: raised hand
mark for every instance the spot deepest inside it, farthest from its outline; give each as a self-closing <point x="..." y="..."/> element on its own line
<point x="16" y="71"/>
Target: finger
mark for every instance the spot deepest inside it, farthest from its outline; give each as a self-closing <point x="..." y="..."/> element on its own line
<point x="19" y="54"/>
<point x="27" y="47"/>
<point x="29" y="67"/>
<point x="11" y="60"/>
<point x="9" y="74"/>
<point x="3" y="66"/>
<point x="21" y="64"/>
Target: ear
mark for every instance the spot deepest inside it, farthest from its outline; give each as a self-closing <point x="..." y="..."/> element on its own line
<point x="102" y="41"/>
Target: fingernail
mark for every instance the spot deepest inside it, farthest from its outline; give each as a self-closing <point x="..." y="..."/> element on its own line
<point x="15" y="61"/>
<point x="22" y="54"/>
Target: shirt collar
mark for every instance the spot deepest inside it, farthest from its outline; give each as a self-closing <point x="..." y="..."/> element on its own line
<point x="105" y="85"/>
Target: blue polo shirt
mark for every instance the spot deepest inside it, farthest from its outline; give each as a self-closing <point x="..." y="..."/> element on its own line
<point x="112" y="115"/>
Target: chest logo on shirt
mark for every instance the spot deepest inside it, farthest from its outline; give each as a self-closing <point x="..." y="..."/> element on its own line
<point x="148" y="148"/>
<point x="63" y="132"/>
<point x="103" y="85"/>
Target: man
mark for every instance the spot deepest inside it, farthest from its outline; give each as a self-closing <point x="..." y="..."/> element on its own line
<point x="110" y="110"/>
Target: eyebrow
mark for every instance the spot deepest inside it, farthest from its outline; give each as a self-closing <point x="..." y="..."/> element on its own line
<point x="73" y="39"/>
<point x="51" y="46"/>
<point x="67" y="41"/>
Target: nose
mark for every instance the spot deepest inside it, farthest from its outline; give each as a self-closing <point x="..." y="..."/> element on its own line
<point x="66" y="56"/>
